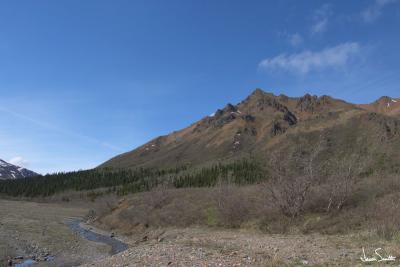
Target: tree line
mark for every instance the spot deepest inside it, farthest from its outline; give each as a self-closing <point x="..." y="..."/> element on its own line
<point x="125" y="181"/>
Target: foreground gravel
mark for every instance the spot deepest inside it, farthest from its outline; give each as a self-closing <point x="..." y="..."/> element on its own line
<point x="207" y="247"/>
<point x="174" y="255"/>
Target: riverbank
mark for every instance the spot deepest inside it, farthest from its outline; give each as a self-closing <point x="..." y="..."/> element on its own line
<point x="199" y="246"/>
<point x="38" y="230"/>
<point x="29" y="229"/>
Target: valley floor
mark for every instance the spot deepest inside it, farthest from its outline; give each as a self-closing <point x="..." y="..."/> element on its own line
<point x="39" y="230"/>
<point x="207" y="247"/>
<point x="28" y="228"/>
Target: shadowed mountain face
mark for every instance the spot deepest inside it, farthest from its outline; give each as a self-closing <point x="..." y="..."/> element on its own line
<point x="9" y="171"/>
<point x="264" y="123"/>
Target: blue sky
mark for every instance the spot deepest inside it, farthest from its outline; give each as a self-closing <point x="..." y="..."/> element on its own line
<point x="82" y="81"/>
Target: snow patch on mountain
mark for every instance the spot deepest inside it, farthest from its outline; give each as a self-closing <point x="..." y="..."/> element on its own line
<point x="10" y="171"/>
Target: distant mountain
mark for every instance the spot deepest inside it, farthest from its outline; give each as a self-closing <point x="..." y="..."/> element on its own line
<point x="264" y="123"/>
<point x="9" y="171"/>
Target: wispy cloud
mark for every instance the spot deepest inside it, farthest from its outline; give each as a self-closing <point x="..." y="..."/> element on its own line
<point x="295" y="39"/>
<point x="321" y="19"/>
<point x="19" y="161"/>
<point x="319" y="26"/>
<point x="374" y="11"/>
<point x="53" y="128"/>
<point x="307" y="61"/>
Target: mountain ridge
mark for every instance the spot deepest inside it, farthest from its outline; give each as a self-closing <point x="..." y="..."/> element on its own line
<point x="260" y="124"/>
<point x="385" y="105"/>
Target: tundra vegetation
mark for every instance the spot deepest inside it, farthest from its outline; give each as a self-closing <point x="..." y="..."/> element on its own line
<point x="301" y="189"/>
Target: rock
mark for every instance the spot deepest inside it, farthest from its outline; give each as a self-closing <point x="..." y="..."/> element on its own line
<point x="308" y="103"/>
<point x="277" y="129"/>
<point x="230" y="108"/>
<point x="248" y="118"/>
<point x="290" y="118"/>
<point x="304" y="262"/>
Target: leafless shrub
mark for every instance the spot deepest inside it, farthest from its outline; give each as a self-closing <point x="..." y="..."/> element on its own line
<point x="132" y="216"/>
<point x="158" y="197"/>
<point x="184" y="210"/>
<point x="290" y="195"/>
<point x="167" y="207"/>
<point x="293" y="174"/>
<point x="232" y="205"/>
<point x="104" y="205"/>
<point x="224" y="205"/>
<point x="341" y="183"/>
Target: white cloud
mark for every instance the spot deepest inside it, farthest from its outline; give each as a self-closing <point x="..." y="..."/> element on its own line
<point x="307" y="61"/>
<point x="374" y="11"/>
<point x="295" y="39"/>
<point x="19" y="161"/>
<point x="321" y="19"/>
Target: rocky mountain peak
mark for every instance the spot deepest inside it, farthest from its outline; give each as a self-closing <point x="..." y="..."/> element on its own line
<point x="230" y="108"/>
<point x="257" y="92"/>
<point x="10" y="171"/>
<point x="384" y="99"/>
<point x="261" y="122"/>
<point x="312" y="103"/>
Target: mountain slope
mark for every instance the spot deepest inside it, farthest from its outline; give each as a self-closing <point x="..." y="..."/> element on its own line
<point x="385" y="105"/>
<point x="264" y="123"/>
<point x="9" y="171"/>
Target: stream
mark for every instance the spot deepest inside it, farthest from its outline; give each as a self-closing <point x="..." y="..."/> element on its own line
<point x="74" y="224"/>
<point x="116" y="245"/>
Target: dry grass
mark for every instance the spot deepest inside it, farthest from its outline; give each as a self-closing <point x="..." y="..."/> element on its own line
<point x="372" y="206"/>
<point x="385" y="217"/>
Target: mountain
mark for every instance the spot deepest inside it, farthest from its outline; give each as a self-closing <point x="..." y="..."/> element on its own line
<point x="264" y="123"/>
<point x="385" y="105"/>
<point x="9" y="171"/>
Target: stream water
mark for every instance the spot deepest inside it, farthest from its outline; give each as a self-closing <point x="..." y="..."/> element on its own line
<point x="116" y="245"/>
<point x="26" y="263"/>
